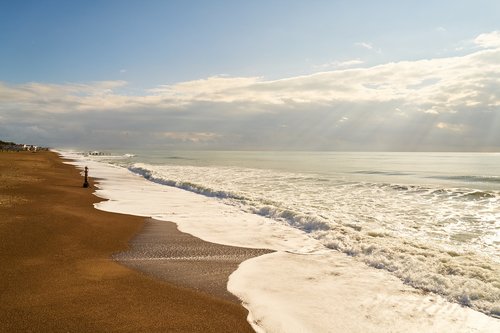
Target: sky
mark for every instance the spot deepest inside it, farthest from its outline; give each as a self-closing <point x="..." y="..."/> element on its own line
<point x="251" y="75"/>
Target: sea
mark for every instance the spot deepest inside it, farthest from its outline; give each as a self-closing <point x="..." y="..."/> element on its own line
<point x="428" y="220"/>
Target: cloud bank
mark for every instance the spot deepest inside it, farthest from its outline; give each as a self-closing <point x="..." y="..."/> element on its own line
<point x="432" y="104"/>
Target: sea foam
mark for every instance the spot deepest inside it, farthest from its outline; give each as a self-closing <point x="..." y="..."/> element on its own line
<point x="366" y="221"/>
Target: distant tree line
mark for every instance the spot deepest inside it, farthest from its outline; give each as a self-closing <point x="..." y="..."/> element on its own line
<point x="12" y="146"/>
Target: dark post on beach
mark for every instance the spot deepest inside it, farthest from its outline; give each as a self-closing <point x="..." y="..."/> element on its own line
<point x="86" y="181"/>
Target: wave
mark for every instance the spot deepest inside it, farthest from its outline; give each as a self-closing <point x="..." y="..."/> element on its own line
<point x="307" y="223"/>
<point x="387" y="173"/>
<point x="444" y="193"/>
<point x="470" y="179"/>
<point x="266" y="208"/>
<point x="151" y="175"/>
<point x="460" y="276"/>
<point x="179" y="158"/>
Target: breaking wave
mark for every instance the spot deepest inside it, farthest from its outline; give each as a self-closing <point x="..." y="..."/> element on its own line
<point x="436" y="239"/>
<point x="471" y="179"/>
<point x="153" y="176"/>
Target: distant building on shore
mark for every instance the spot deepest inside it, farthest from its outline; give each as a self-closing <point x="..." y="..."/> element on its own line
<point x="11" y="146"/>
<point x="96" y="153"/>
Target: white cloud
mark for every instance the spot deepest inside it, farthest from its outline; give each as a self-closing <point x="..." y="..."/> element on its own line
<point x="365" y="45"/>
<point x="441" y="30"/>
<point x="368" y="46"/>
<point x="215" y="88"/>
<point x="488" y="40"/>
<point x="339" y="64"/>
<point x="350" y="63"/>
<point x="451" y="127"/>
<point x="433" y="85"/>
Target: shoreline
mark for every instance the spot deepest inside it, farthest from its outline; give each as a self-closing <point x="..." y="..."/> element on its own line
<point x="162" y="251"/>
<point x="56" y="270"/>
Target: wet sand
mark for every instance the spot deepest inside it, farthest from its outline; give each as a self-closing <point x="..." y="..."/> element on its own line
<point x="162" y="251"/>
<point x="56" y="271"/>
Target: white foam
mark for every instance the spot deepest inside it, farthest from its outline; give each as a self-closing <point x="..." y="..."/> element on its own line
<point x="422" y="234"/>
<point x="303" y="287"/>
<point x="330" y="292"/>
<point x="206" y="218"/>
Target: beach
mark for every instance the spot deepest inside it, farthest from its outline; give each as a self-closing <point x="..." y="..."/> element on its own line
<point x="326" y="273"/>
<point x="57" y="273"/>
<point x="130" y="254"/>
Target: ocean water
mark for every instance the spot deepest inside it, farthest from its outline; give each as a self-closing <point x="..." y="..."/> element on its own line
<point x="429" y="220"/>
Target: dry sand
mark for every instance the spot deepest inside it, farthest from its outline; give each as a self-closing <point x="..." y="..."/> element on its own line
<point x="56" y="274"/>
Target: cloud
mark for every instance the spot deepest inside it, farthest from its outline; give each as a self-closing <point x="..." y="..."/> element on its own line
<point x="488" y="40"/>
<point x="451" y="127"/>
<point x="441" y="103"/>
<point x="368" y="46"/>
<point x="195" y="137"/>
<point x="349" y="63"/>
<point x="215" y="88"/>
<point x="365" y="45"/>
<point x="339" y="64"/>
<point x="441" y="29"/>
<point x="434" y="85"/>
<point x="57" y="98"/>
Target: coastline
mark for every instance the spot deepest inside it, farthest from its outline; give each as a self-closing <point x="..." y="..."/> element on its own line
<point x="330" y="292"/>
<point x="57" y="273"/>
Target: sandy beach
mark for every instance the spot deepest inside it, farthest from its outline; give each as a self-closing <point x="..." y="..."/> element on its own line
<point x="57" y="273"/>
